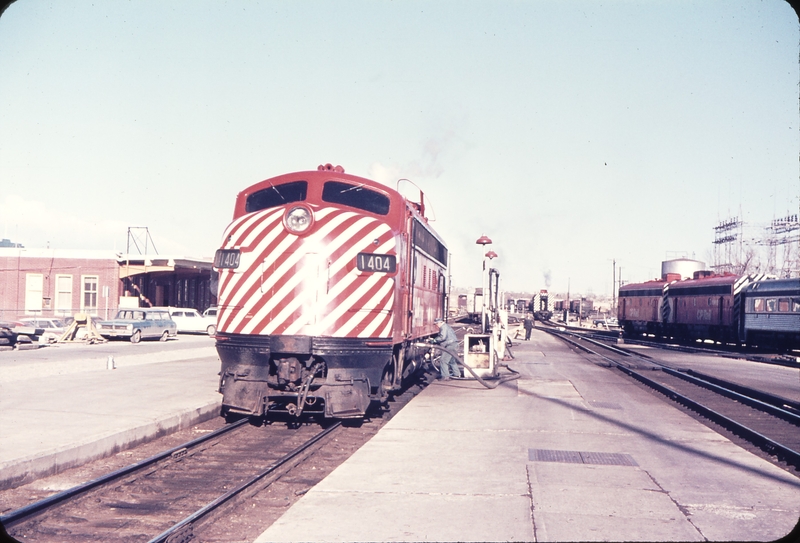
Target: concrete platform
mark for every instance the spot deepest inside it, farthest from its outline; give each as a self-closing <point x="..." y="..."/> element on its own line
<point x="61" y="407"/>
<point x="570" y="452"/>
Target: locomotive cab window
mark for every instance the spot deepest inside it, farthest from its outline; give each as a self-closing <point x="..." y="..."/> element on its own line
<point x="358" y="196"/>
<point x="277" y="195"/>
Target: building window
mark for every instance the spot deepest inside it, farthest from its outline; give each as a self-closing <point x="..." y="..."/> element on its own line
<point x="89" y="294"/>
<point x="33" y="293"/>
<point x="63" y="294"/>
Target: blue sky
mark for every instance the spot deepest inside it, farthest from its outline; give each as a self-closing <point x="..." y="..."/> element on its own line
<point x="570" y="132"/>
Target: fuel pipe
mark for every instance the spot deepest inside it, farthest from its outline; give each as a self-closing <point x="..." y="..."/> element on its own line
<point x="487" y="384"/>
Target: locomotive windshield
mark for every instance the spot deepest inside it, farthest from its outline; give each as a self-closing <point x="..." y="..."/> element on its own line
<point x="357" y="196"/>
<point x="274" y="196"/>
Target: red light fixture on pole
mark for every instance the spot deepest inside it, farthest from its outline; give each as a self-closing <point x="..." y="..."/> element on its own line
<point x="483" y="241"/>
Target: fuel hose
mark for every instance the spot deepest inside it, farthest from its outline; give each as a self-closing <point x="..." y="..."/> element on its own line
<point x="488" y="384"/>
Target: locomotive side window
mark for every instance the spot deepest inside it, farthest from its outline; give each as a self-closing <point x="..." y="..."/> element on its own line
<point x="427" y="242"/>
<point x="758" y="305"/>
<point x="783" y="305"/>
<point x="357" y="196"/>
<point x="771" y="305"/>
<point x="275" y="196"/>
<point x="796" y="305"/>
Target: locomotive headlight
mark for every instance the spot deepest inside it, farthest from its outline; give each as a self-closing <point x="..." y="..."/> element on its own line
<point x="298" y="220"/>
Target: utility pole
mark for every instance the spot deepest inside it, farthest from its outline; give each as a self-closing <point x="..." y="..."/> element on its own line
<point x="614" y="286"/>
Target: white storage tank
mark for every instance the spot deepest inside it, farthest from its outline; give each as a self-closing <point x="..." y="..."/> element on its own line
<point x="685" y="267"/>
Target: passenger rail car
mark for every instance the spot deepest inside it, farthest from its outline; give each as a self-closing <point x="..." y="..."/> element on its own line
<point x="772" y="312"/>
<point x="325" y="282"/>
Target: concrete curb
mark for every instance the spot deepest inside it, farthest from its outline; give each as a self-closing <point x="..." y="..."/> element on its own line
<point x="25" y="470"/>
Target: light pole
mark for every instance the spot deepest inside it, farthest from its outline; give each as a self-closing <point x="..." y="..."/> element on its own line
<point x="483" y="241"/>
<point x="492" y="292"/>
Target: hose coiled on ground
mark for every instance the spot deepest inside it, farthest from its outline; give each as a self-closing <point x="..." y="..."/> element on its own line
<point x="487" y="384"/>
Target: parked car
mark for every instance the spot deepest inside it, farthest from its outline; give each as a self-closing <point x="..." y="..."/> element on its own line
<point x="605" y="322"/>
<point x="53" y="328"/>
<point x="190" y="320"/>
<point x="138" y="324"/>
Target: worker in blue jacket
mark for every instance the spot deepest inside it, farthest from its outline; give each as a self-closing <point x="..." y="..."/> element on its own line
<point x="447" y="339"/>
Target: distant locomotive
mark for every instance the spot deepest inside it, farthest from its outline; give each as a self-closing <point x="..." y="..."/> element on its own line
<point x="325" y="282"/>
<point x="728" y="308"/>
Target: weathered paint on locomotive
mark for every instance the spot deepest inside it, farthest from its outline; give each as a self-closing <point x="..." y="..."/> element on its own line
<point x="700" y="308"/>
<point x="321" y="317"/>
<point x="640" y="306"/>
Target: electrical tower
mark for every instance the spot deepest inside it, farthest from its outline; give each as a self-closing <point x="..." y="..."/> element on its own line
<point x="782" y="239"/>
<point x="727" y="246"/>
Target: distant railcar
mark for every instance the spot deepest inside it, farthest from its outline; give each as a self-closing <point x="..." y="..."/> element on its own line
<point x="772" y="312"/>
<point x="704" y="308"/>
<point x="747" y="309"/>
<point x="640" y="306"/>
<point x="325" y="282"/>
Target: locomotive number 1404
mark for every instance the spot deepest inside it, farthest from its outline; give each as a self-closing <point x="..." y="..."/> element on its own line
<point x="370" y="262"/>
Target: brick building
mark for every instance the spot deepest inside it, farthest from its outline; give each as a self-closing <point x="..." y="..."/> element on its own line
<point x="59" y="283"/>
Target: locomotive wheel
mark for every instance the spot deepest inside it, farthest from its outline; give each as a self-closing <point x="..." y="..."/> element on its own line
<point x="387" y="380"/>
<point x="136" y="337"/>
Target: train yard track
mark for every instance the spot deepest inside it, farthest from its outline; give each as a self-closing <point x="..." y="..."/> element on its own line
<point x="206" y="489"/>
<point x="167" y="495"/>
<point x="789" y="359"/>
<point x="766" y="421"/>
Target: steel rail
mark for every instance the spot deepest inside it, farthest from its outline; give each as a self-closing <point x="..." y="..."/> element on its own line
<point x="182" y="530"/>
<point x="774" y="405"/>
<point x="19" y="515"/>
<point x="745" y="395"/>
<point x="772" y="399"/>
<point x="785" y="360"/>
<point x="771" y="446"/>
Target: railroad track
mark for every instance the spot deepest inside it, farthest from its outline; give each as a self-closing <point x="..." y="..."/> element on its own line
<point x="755" y="354"/>
<point x="230" y="484"/>
<point x="767" y="421"/>
<point x="165" y="496"/>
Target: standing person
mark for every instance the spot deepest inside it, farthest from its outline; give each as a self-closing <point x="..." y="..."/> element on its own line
<point x="528" y="324"/>
<point x="447" y="339"/>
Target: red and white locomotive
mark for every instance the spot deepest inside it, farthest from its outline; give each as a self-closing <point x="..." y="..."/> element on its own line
<point x="325" y="282"/>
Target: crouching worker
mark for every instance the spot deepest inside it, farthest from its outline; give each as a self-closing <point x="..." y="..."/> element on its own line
<point x="447" y="338"/>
